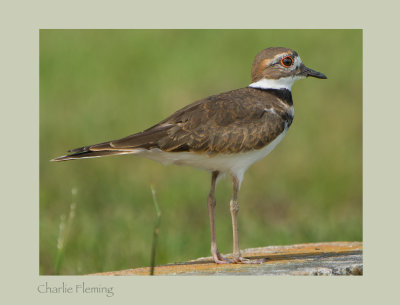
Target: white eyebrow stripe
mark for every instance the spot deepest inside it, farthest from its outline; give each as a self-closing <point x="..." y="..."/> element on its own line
<point x="277" y="58"/>
<point x="297" y="60"/>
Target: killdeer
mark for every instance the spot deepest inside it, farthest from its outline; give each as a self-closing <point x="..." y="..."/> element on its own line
<point x="223" y="133"/>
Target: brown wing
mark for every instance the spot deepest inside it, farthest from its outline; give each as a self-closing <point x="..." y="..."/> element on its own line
<point x="235" y="121"/>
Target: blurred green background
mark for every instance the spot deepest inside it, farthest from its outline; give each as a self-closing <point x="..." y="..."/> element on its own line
<point x="99" y="85"/>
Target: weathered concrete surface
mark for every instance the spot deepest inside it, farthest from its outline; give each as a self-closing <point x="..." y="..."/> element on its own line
<point x="333" y="258"/>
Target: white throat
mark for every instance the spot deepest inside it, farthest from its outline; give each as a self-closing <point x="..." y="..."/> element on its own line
<point x="281" y="83"/>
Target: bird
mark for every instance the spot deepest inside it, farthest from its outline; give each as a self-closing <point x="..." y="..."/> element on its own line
<point x="223" y="133"/>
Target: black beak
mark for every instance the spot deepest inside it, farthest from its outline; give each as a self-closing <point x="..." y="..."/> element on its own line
<point x="309" y="72"/>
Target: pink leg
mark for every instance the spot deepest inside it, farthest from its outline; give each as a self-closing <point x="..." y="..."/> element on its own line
<point x="217" y="257"/>
<point x="234" y="206"/>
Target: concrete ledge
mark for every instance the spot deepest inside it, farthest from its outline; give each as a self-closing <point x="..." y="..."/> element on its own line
<point x="332" y="258"/>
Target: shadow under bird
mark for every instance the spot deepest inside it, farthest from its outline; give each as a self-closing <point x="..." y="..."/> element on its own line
<point x="223" y="133"/>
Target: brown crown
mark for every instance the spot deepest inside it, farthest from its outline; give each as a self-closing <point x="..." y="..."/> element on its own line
<point x="262" y="60"/>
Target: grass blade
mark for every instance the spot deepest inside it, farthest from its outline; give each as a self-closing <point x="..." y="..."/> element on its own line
<point x="155" y="232"/>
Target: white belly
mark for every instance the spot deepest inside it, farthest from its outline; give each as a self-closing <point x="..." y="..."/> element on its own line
<point x="234" y="164"/>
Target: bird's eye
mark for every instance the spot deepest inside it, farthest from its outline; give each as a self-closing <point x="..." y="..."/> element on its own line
<point x="287" y="61"/>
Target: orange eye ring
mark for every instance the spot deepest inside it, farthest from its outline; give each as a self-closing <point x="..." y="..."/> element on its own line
<point x="287" y="61"/>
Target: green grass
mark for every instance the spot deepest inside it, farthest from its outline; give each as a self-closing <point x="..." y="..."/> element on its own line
<point x="98" y="85"/>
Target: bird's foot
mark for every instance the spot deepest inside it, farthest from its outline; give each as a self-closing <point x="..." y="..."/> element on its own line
<point x="219" y="259"/>
<point x="240" y="259"/>
<point x="236" y="259"/>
